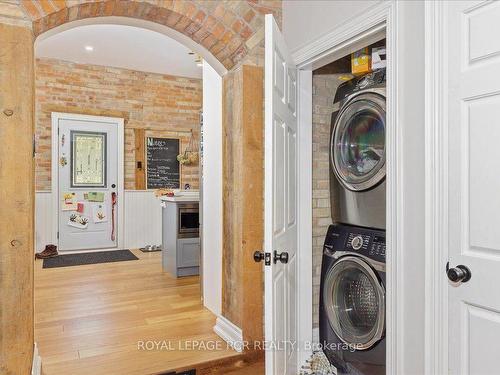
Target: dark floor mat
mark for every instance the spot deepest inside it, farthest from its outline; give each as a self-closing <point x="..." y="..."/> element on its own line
<point x="89" y="258"/>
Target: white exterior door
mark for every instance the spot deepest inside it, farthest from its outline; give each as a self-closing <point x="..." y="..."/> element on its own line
<point x="472" y="114"/>
<point x="280" y="203"/>
<point x="88" y="181"/>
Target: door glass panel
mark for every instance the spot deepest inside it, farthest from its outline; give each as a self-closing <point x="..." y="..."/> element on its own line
<point x="361" y="146"/>
<point x="88" y="159"/>
<point x="358" y="143"/>
<point x="354" y="303"/>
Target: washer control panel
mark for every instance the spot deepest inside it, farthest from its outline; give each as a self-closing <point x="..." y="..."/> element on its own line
<point x="348" y="238"/>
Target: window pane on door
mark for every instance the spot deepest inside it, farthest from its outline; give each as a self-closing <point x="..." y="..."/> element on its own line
<point x="88" y="159"/>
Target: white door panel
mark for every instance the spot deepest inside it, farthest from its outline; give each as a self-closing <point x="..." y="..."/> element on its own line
<point x="473" y="113"/>
<point x="89" y="148"/>
<point x="280" y="202"/>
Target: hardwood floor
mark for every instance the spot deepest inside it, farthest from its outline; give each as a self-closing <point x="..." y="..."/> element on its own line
<point x="92" y="320"/>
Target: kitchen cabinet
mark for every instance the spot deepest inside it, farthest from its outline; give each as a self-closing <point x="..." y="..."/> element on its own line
<point x="181" y="253"/>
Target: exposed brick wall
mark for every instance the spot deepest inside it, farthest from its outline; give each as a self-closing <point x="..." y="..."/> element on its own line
<point x="324" y="88"/>
<point x="146" y="100"/>
<point x="227" y="28"/>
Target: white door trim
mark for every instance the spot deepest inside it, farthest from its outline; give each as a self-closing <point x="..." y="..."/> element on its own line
<point x="56" y="116"/>
<point x="436" y="192"/>
<point x="304" y="215"/>
<point x="358" y="31"/>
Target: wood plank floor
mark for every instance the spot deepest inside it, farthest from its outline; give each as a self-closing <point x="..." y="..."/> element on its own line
<point x="91" y="319"/>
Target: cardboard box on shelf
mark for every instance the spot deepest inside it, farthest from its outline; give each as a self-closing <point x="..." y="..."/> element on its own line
<point x="361" y="61"/>
<point x="379" y="57"/>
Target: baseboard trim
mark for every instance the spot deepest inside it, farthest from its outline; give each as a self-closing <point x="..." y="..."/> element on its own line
<point x="36" y="368"/>
<point x="230" y="333"/>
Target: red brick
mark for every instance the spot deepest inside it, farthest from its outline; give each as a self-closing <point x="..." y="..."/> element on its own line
<point x="59" y="4"/>
<point x="108" y="8"/>
<point x="154" y="101"/>
<point x="221" y="21"/>
<point x="219" y="30"/>
<point x="220" y="11"/>
<point x="189" y="9"/>
<point x="246" y="33"/>
<point x="31" y="9"/>
<point x="249" y="15"/>
<point x="46" y="6"/>
<point x="226" y="38"/>
<point x="210" y="22"/>
<point x="237" y="26"/>
<point x="200" y="16"/>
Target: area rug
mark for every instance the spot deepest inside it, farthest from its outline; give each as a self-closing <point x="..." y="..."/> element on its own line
<point x="81" y="259"/>
<point x="318" y="364"/>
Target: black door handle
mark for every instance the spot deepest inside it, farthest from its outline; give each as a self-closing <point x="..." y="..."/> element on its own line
<point x="283" y="257"/>
<point x="458" y="274"/>
<point x="260" y="256"/>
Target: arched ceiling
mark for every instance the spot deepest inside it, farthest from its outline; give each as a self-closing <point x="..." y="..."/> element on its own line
<point x="120" y="46"/>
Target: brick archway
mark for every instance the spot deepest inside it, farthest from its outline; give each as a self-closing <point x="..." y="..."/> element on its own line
<point x="224" y="28"/>
<point x="232" y="31"/>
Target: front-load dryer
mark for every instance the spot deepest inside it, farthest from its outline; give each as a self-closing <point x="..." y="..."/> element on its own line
<point x="352" y="300"/>
<point x="357" y="152"/>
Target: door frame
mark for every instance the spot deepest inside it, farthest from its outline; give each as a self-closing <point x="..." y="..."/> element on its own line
<point x="379" y="20"/>
<point x="119" y="122"/>
<point x="436" y="191"/>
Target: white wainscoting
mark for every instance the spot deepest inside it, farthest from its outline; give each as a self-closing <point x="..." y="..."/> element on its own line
<point x="43" y="220"/>
<point x="142" y="219"/>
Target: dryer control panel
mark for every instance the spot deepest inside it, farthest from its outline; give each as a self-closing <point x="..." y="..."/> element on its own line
<point x="348" y="238"/>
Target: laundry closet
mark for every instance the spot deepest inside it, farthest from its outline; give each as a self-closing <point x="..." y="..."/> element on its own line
<point x="349" y="209"/>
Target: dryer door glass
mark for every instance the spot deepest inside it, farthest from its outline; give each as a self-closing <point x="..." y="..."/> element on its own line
<point x="358" y="142"/>
<point x="355" y="303"/>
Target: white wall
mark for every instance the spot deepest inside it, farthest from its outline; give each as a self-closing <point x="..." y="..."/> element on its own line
<point x="142" y="219"/>
<point x="212" y="189"/>
<point x="305" y="21"/>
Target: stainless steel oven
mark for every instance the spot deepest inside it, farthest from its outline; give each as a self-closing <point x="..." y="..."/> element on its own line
<point x="188" y="220"/>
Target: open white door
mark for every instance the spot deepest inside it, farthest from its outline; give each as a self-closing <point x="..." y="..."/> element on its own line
<point x="472" y="112"/>
<point x="280" y="203"/>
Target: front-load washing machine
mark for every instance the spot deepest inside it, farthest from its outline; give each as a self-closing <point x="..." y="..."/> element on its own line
<point x="357" y="152"/>
<point x="352" y="300"/>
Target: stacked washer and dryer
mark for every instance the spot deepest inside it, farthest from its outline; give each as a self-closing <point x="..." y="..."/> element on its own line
<point x="352" y="298"/>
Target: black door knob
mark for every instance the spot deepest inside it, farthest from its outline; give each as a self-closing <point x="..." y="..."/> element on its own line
<point x="283" y="257"/>
<point x="458" y="274"/>
<point x="259" y="256"/>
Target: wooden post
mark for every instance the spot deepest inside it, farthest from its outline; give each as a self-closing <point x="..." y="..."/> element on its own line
<point x="243" y="199"/>
<point x="17" y="197"/>
<point x="140" y="172"/>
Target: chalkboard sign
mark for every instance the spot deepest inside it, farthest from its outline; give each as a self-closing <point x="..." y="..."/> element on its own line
<point x="162" y="166"/>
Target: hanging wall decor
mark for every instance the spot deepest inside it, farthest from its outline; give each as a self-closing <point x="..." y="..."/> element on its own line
<point x="99" y="213"/>
<point x="162" y="166"/>
<point x="190" y="156"/>
<point x="94" y="196"/>
<point x="78" y="221"/>
<point x="69" y="202"/>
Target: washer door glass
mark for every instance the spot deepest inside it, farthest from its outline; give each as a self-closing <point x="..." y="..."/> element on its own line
<point x="358" y="142"/>
<point x="354" y="300"/>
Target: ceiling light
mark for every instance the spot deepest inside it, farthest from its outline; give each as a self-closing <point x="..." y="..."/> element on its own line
<point x="89" y="48"/>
